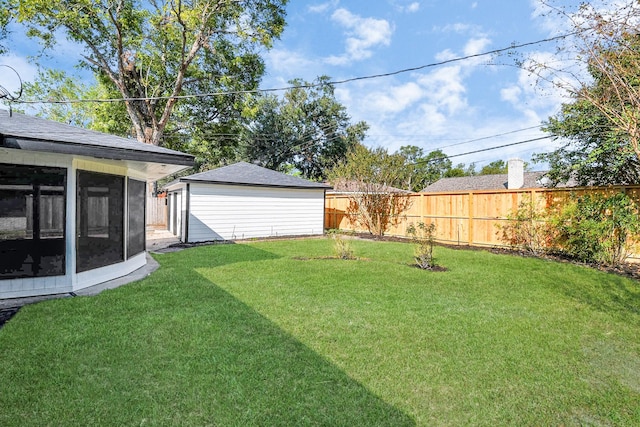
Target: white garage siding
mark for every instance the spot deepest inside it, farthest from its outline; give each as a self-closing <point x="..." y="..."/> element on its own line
<point x="229" y="212"/>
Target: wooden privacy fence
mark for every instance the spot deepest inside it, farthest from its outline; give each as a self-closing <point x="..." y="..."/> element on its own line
<point x="156" y="210"/>
<point x="465" y="218"/>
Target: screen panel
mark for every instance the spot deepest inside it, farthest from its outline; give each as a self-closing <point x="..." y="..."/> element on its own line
<point x="99" y="220"/>
<point x="32" y="221"/>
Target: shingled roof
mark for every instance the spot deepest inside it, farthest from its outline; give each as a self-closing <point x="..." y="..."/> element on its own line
<point x="243" y="173"/>
<point x="347" y="186"/>
<point x="22" y="132"/>
<point x="482" y="182"/>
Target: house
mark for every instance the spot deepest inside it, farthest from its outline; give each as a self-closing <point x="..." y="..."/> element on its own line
<point x="72" y="204"/>
<point x="243" y="201"/>
<point x="516" y="178"/>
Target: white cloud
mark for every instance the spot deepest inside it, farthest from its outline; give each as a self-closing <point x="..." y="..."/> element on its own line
<point x="323" y="7"/>
<point x="8" y="78"/>
<point x="476" y="46"/>
<point x="511" y="94"/>
<point x="446" y="55"/>
<point x="288" y="63"/>
<point x="363" y="34"/>
<point x="445" y="89"/>
<point x="413" y="7"/>
<point x="459" y="28"/>
<point x="395" y="99"/>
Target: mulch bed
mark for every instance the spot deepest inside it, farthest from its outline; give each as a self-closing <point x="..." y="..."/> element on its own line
<point x="6" y="314"/>
<point x="630" y="270"/>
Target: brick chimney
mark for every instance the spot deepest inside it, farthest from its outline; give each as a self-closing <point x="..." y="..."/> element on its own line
<point x="515" y="174"/>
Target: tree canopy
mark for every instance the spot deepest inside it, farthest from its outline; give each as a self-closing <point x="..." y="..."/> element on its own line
<point x="307" y="129"/>
<point x="601" y="126"/>
<point x="494" y="168"/>
<point x="420" y="170"/>
<point x="592" y="152"/>
<point x="152" y="53"/>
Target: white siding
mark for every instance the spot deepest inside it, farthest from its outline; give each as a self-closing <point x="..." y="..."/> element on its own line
<point x="177" y="213"/>
<point x="229" y="212"/>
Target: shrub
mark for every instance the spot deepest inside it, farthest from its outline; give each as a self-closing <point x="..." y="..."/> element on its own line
<point x="597" y="228"/>
<point x="341" y="246"/>
<point x="424" y="237"/>
<point x="526" y="228"/>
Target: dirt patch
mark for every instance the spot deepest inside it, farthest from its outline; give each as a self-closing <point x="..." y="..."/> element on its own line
<point x="302" y="258"/>
<point x="435" y="268"/>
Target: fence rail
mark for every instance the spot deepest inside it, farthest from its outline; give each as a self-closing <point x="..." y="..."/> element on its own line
<point x="466" y="218"/>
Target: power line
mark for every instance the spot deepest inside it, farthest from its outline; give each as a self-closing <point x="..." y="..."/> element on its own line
<point x="487" y="137"/>
<point x="312" y="85"/>
<point x="480" y="150"/>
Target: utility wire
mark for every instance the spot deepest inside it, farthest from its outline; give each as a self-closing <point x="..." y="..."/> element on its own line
<point x="313" y="85"/>
<point x="479" y="151"/>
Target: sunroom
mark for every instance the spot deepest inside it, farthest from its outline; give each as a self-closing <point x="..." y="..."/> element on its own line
<point x="72" y="204"/>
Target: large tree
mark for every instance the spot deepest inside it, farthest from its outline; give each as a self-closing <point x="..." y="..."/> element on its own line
<point x="593" y="152"/>
<point x="5" y="15"/>
<point x="599" y="71"/>
<point x="154" y="52"/>
<point x="306" y="129"/>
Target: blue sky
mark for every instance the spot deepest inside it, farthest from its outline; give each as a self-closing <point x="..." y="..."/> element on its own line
<point x="439" y="107"/>
<point x="458" y="107"/>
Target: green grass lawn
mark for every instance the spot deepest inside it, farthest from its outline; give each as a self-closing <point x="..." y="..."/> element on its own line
<point x="275" y="333"/>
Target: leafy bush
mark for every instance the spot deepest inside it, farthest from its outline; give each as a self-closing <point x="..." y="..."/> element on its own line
<point x="597" y="228"/>
<point x="424" y="237"/>
<point x="526" y="228"/>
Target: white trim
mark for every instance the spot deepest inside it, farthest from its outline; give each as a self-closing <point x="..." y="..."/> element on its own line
<point x="109" y="272"/>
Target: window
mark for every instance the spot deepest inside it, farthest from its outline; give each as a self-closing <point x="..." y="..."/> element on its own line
<point x="99" y="220"/>
<point x="32" y="221"/>
<point x="136" y="217"/>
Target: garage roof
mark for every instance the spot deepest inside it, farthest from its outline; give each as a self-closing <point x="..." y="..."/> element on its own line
<point x="243" y="173"/>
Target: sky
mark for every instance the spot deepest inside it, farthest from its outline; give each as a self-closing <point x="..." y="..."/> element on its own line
<point x="458" y="107"/>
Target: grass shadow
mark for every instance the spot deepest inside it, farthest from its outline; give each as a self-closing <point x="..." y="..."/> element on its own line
<point x="174" y="348"/>
<point x="616" y="295"/>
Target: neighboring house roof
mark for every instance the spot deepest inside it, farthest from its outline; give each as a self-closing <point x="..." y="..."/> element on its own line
<point x="22" y="132"/>
<point x="355" y="187"/>
<point x="483" y="182"/>
<point x="243" y="173"/>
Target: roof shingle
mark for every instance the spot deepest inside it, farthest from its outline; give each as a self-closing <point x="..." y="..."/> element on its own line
<point x="243" y="173"/>
<point x="482" y="182"/>
<point x="20" y="131"/>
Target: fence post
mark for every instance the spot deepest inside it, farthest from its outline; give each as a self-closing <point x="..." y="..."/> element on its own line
<point x="470" y="240"/>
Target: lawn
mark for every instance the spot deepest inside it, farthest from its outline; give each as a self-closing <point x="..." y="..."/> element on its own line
<point x="278" y="333"/>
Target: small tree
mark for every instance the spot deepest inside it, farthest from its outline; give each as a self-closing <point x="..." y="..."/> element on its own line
<point x="370" y="176"/>
<point x="341" y="246"/>
<point x="424" y="236"/>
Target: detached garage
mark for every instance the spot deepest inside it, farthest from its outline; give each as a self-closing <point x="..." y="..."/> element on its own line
<point x="244" y="201"/>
